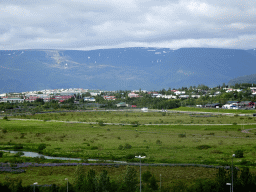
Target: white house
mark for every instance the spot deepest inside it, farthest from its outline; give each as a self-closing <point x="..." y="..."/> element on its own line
<point x="89" y="99"/>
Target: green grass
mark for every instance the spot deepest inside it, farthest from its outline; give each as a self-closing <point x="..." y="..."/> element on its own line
<point x="195" y="109"/>
<point x="207" y="143"/>
<point x="123" y="117"/>
<point x="160" y="143"/>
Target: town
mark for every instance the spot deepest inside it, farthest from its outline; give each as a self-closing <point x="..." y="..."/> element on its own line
<point x="240" y="96"/>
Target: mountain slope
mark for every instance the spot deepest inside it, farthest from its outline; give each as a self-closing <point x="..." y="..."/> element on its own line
<point x="126" y="68"/>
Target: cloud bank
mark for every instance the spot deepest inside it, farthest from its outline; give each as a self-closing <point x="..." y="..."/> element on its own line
<point x="102" y="24"/>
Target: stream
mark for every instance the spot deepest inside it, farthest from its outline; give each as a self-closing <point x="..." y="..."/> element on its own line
<point x="34" y="154"/>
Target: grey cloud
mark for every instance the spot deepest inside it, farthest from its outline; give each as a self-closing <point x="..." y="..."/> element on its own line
<point x="78" y="24"/>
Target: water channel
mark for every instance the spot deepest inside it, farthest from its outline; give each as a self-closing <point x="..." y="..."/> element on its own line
<point x="34" y="154"/>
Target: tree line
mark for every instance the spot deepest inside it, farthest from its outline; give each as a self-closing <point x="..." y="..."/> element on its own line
<point x="243" y="180"/>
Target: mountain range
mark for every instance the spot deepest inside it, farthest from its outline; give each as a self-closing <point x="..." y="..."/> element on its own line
<point x="123" y="68"/>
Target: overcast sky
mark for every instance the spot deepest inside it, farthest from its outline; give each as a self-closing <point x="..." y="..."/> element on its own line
<point x="100" y="24"/>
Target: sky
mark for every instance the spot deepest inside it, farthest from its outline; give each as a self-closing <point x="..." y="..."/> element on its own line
<point x="104" y="24"/>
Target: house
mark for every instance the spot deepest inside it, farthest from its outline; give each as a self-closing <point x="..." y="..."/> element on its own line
<point x="11" y="100"/>
<point x="132" y="94"/>
<point x="183" y="96"/>
<point x="169" y="96"/>
<point x="212" y="105"/>
<point x="144" y="109"/>
<point x="106" y="97"/>
<point x="179" y="92"/>
<point x="122" y="104"/>
<point x="89" y="99"/>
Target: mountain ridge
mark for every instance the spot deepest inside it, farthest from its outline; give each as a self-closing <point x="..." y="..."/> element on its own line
<point x="122" y="68"/>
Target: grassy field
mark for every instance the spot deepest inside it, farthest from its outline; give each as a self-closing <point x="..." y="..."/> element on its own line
<point x="143" y="118"/>
<point x="197" y="109"/>
<point x="211" y="143"/>
<point x="163" y="143"/>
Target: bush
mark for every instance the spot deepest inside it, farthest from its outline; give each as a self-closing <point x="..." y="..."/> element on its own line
<point x="41" y="147"/>
<point x="234" y="123"/>
<point x="135" y="123"/>
<point x="129" y="156"/>
<point x="203" y="147"/>
<point x="244" y="162"/>
<point x="1" y="154"/>
<point x="48" y="138"/>
<point x="19" y="154"/>
<point x="127" y="146"/>
<point x="4" y="131"/>
<point x="158" y="142"/>
<point x="120" y="147"/>
<point x="5" y="118"/>
<point x="146" y="176"/>
<point x="182" y="135"/>
<point x="239" y="153"/>
<point x="18" y="146"/>
<point x="94" y="147"/>
<point x="101" y="123"/>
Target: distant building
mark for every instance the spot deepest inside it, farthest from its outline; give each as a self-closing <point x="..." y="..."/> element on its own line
<point x="89" y="99"/>
<point x="109" y="97"/>
<point x="132" y="94"/>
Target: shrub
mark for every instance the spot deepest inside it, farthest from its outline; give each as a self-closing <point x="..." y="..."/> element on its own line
<point x="127" y="146"/>
<point x="203" y="147"/>
<point x="129" y="156"/>
<point x="158" y="142"/>
<point x="234" y="123"/>
<point x="4" y="131"/>
<point x="182" y="135"/>
<point x="146" y="176"/>
<point x="135" y="123"/>
<point x="239" y="153"/>
<point x="101" y="123"/>
<point x="47" y="138"/>
<point x="1" y="154"/>
<point x="119" y="138"/>
<point x="217" y="151"/>
<point x="22" y="135"/>
<point x="5" y="118"/>
<point x="18" y="146"/>
<point x="41" y="147"/>
<point x="120" y="147"/>
<point x="19" y="154"/>
<point x="94" y="147"/>
<point x="244" y="162"/>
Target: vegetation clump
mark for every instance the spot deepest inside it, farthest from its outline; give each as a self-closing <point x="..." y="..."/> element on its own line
<point x="239" y="153"/>
<point x="101" y="123"/>
<point x="203" y="147"/>
<point x="127" y="146"/>
<point x="182" y="135"/>
<point x="41" y="147"/>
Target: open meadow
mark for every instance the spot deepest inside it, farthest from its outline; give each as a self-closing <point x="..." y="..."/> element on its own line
<point x="189" y="138"/>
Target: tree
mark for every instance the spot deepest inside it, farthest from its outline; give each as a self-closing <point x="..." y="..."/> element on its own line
<point x="130" y="180"/>
<point x="92" y="183"/>
<point x="104" y="182"/>
<point x="80" y="179"/>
